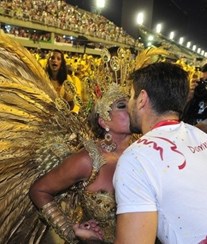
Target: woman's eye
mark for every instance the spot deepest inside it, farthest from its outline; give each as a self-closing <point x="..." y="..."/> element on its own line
<point x="121" y="105"/>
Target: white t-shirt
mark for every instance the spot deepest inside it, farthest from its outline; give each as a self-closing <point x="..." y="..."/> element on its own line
<point x="166" y="171"/>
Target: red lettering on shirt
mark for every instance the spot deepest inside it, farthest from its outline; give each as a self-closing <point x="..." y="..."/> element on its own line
<point x="199" y="148"/>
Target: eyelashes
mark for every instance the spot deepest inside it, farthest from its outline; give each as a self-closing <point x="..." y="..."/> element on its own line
<point x="121" y="105"/>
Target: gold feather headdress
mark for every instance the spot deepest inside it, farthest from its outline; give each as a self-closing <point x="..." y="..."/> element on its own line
<point x="150" y="55"/>
<point x="109" y="80"/>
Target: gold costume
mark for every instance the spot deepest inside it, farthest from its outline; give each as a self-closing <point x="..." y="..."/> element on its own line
<point x="103" y="212"/>
<point x="98" y="205"/>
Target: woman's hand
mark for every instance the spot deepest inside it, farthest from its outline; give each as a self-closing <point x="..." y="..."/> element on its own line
<point x="89" y="230"/>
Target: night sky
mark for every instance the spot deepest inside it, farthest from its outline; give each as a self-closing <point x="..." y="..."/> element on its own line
<point x="186" y="17"/>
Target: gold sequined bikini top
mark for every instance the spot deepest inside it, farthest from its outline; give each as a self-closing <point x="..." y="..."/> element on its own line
<point x="100" y="205"/>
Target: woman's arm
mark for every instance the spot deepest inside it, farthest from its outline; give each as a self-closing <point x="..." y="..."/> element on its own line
<point x="73" y="169"/>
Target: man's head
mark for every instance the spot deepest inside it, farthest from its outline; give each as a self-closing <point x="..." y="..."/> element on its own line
<point x="163" y="87"/>
<point x="204" y="71"/>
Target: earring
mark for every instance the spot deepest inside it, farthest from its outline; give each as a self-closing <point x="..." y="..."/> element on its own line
<point x="108" y="145"/>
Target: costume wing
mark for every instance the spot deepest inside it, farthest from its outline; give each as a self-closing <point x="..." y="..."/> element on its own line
<point x="37" y="130"/>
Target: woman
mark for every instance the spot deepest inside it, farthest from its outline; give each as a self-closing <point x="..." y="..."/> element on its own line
<point x="56" y="69"/>
<point x="68" y="87"/>
<point x="89" y="172"/>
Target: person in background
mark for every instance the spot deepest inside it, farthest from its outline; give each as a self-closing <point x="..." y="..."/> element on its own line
<point x="56" y="69"/>
<point x="42" y="60"/>
<point x="63" y="83"/>
<point x="204" y="72"/>
<point x="88" y="174"/>
<point x="203" y="123"/>
<point x="160" y="180"/>
<point x="195" y="112"/>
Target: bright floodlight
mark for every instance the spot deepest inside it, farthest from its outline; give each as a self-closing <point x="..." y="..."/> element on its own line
<point x="199" y="50"/>
<point x="140" y="18"/>
<point x="188" y="44"/>
<point x="172" y="35"/>
<point x="158" y="28"/>
<point x="100" y="3"/>
<point x="194" y="48"/>
<point x="181" y="40"/>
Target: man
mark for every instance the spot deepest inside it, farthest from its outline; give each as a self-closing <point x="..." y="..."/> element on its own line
<point x="204" y="72"/>
<point x="195" y="112"/>
<point x="161" y="179"/>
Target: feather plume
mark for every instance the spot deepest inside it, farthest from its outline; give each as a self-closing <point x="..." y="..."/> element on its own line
<point x="37" y="130"/>
<point x="148" y="56"/>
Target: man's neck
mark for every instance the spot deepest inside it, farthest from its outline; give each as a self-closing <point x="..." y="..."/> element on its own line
<point x="159" y="120"/>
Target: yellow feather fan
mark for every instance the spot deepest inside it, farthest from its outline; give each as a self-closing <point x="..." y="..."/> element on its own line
<point x="37" y="130"/>
<point x="150" y="55"/>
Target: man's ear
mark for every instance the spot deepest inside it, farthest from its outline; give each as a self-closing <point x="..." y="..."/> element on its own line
<point x="142" y="99"/>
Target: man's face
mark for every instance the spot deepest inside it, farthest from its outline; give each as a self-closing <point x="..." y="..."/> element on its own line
<point x="135" y="126"/>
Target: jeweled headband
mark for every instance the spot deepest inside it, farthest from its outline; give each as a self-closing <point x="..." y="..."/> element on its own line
<point x="112" y="80"/>
<point x="103" y="105"/>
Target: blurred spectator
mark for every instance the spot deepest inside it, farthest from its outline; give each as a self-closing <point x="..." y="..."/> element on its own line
<point x="196" y="109"/>
<point x="66" y="86"/>
<point x="204" y="72"/>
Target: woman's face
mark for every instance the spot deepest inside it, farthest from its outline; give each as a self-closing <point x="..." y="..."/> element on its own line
<point x="120" y="122"/>
<point x="55" y="61"/>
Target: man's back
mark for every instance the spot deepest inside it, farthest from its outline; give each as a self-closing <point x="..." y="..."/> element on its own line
<point x="169" y="166"/>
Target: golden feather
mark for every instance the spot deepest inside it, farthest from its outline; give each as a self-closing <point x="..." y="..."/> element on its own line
<point x="36" y="132"/>
<point x="149" y="55"/>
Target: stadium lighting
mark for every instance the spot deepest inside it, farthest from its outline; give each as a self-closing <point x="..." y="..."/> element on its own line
<point x="100" y="4"/>
<point x="140" y="18"/>
<point x="181" y="40"/>
<point x="194" y="48"/>
<point x="188" y="44"/>
<point x="158" y="28"/>
<point x="172" y="35"/>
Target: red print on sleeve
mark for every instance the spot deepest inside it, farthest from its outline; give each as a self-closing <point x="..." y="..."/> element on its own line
<point x="156" y="147"/>
<point x="203" y="241"/>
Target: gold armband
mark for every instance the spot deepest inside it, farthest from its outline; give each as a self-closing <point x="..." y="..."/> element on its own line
<point x="59" y="221"/>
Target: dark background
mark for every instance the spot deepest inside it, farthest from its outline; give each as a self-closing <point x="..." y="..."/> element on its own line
<point x="187" y="18"/>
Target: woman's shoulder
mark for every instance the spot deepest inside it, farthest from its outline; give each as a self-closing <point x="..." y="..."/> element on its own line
<point x="79" y="164"/>
<point x="82" y="157"/>
<point x="95" y="154"/>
